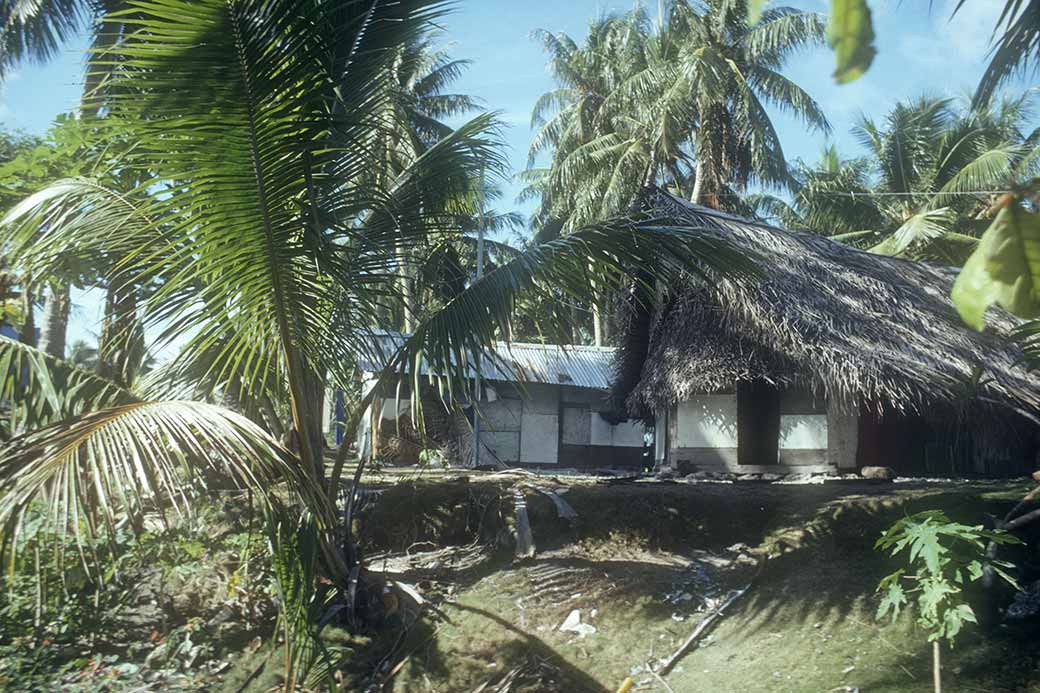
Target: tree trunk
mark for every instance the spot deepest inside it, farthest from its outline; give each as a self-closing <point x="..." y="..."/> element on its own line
<point x="407" y="291"/>
<point x="27" y="334"/>
<point x="597" y="322"/>
<point x="55" y="320"/>
<point x="936" y="667"/>
<point x="698" y="183"/>
<point x="118" y="332"/>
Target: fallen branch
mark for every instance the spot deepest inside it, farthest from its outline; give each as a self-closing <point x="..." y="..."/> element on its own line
<point x="659" y="679"/>
<point x="706" y="623"/>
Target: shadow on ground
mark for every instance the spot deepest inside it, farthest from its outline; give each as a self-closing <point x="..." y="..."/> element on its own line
<point x="806" y="625"/>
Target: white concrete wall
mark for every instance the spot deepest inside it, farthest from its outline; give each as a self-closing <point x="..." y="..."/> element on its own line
<point x="707" y="421"/>
<point x="577" y="425"/>
<point x="627" y="434"/>
<point x="504" y="445"/>
<point x="540" y="425"/>
<point x="803" y="431"/>
<point x="539" y="436"/>
<point x="393" y="408"/>
<point x="501" y="415"/>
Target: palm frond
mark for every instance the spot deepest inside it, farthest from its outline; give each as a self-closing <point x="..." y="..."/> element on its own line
<point x="42" y="389"/>
<point x="35" y="30"/>
<point x="602" y="255"/>
<point x="1015" y="50"/>
<point x="990" y="170"/>
<point x="127" y="459"/>
<point x="920" y="228"/>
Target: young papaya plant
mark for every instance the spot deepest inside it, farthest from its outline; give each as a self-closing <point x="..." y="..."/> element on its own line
<point x="942" y="557"/>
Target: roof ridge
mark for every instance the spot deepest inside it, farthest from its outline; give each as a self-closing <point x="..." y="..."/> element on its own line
<point x="800" y="233"/>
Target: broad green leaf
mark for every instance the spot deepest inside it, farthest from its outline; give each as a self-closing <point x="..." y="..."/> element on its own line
<point x="954" y="620"/>
<point x="1004" y="269"/>
<point x="754" y="11"/>
<point x="850" y="33"/>
<point x="924" y="539"/>
<point x="933" y="593"/>
<point x="893" y="601"/>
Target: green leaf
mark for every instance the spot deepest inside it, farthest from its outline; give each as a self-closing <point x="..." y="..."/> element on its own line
<point x="1004" y="269"/>
<point x="954" y="620"/>
<point x="893" y="601"/>
<point x="850" y="33"/>
<point x="933" y="593"/>
<point x="924" y="538"/>
<point x="754" y="11"/>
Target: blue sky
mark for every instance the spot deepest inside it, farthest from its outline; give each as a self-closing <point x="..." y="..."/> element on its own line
<point x="919" y="51"/>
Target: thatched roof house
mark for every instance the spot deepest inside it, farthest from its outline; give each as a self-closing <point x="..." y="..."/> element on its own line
<point x="835" y="358"/>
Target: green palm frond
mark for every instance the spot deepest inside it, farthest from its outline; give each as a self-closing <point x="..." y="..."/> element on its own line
<point x="127" y="459"/>
<point x="35" y="30"/>
<point x="781" y="32"/>
<point x="920" y="228"/>
<point x="602" y="255"/>
<point x="990" y="170"/>
<point x="42" y="390"/>
<point x="1017" y="48"/>
<point x="294" y="540"/>
<point x="78" y="217"/>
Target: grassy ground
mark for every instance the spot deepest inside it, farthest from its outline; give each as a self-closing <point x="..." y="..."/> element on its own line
<point x="640" y="563"/>
<point x="807" y="625"/>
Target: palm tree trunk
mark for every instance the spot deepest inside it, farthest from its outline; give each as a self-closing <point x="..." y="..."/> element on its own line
<point x="597" y="320"/>
<point x="936" y="667"/>
<point x="27" y="335"/>
<point x="115" y="360"/>
<point x="698" y="183"/>
<point x="407" y="292"/>
<point x="55" y="320"/>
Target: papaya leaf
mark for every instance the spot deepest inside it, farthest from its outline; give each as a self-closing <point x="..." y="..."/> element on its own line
<point x="850" y="33"/>
<point x="1004" y="269"/>
<point x="892" y="601"/>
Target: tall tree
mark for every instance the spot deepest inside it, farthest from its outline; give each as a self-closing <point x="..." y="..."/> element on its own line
<point x="418" y="106"/>
<point x="680" y="101"/>
<point x="930" y="177"/>
<point x="271" y="248"/>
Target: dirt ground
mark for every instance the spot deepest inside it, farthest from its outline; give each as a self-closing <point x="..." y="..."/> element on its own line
<point x="641" y="564"/>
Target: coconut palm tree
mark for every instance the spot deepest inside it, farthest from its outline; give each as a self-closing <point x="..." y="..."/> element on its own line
<point x="832" y="198"/>
<point x="34" y="31"/>
<point x="680" y="101"/>
<point x="931" y="175"/>
<point x="270" y="242"/>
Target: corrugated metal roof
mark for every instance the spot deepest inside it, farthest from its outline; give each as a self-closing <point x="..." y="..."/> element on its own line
<point x="550" y="364"/>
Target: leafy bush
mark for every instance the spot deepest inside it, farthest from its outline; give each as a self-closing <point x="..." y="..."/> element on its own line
<point x="942" y="556"/>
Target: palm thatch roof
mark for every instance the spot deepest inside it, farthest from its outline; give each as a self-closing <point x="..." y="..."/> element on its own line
<point x="854" y="326"/>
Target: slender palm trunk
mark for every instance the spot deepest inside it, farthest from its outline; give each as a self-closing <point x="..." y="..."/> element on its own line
<point x="598" y="323"/>
<point x="698" y="183"/>
<point x="55" y="325"/>
<point x="407" y="291"/>
<point x="115" y="347"/>
<point x="27" y="334"/>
